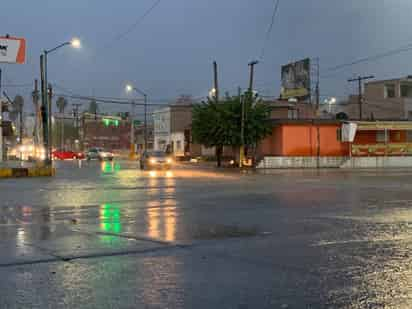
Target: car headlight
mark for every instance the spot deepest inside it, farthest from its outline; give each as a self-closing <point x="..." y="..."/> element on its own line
<point x="152" y="161"/>
<point x="169" y="161"/>
<point x="103" y="155"/>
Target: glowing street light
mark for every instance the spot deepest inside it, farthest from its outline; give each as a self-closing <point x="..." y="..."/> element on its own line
<point x="130" y="88"/>
<point x="46" y="104"/>
<point x="75" y="42"/>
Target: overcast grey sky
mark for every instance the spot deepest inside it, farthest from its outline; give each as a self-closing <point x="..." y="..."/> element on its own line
<point x="172" y="50"/>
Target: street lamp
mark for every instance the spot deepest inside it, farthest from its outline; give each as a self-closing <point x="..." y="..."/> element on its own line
<point x="130" y="88"/>
<point x="46" y="96"/>
<point x="212" y="93"/>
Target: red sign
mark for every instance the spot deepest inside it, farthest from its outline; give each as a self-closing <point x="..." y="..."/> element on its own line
<point x="12" y="50"/>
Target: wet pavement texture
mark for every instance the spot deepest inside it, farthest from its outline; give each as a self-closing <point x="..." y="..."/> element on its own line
<point x="107" y="235"/>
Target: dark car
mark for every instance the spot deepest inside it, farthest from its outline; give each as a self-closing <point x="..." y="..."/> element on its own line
<point x="155" y="160"/>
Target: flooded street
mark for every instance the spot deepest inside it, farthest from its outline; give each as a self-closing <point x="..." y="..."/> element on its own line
<point x="107" y="235"/>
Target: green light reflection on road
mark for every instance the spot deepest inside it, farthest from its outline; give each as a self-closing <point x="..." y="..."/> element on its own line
<point x="110" y="221"/>
<point x="110" y="167"/>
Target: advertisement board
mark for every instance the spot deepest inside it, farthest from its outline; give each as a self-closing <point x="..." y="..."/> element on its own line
<point x="12" y="50"/>
<point x="296" y="80"/>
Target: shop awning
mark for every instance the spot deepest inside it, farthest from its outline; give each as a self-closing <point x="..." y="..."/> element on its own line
<point x="383" y="125"/>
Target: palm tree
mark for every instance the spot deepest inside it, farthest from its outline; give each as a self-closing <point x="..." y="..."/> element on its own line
<point x="61" y="105"/>
<point x="18" y="104"/>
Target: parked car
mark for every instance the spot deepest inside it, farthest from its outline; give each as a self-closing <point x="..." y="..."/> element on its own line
<point x="155" y="160"/>
<point x="67" y="155"/>
<point x="99" y="154"/>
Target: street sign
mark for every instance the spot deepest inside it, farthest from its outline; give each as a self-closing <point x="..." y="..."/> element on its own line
<point x="12" y="50"/>
<point x="137" y="123"/>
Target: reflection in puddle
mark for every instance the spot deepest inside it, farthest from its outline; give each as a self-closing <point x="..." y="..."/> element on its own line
<point x="109" y="167"/>
<point x="110" y="221"/>
<point x="161" y="214"/>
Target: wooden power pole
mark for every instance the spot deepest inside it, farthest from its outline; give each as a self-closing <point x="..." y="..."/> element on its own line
<point x="360" y="79"/>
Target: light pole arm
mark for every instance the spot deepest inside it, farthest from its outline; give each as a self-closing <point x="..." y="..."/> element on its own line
<point x="57" y="47"/>
<point x="140" y="92"/>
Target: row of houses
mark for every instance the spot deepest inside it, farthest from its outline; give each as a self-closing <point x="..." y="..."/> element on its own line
<point x="299" y="129"/>
<point x="306" y="136"/>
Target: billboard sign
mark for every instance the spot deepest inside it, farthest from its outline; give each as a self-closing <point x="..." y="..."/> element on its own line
<point x="296" y="80"/>
<point x="12" y="50"/>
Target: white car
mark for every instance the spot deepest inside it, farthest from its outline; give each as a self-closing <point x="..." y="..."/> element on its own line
<point x="99" y="154"/>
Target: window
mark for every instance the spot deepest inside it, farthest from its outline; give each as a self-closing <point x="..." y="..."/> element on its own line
<point x="409" y="136"/>
<point x="389" y="91"/>
<point x="406" y="90"/>
<point x="380" y="137"/>
<point x="178" y="145"/>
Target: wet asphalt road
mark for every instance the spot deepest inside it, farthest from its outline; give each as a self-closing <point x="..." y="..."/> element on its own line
<point x="110" y="236"/>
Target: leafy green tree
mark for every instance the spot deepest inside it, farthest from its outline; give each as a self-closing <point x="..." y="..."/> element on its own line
<point x="219" y="124"/>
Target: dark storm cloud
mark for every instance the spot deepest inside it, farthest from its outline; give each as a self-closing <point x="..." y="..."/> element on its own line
<point x="171" y="51"/>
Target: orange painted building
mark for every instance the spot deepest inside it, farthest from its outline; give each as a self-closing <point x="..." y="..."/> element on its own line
<point x="304" y="138"/>
<point x="310" y="138"/>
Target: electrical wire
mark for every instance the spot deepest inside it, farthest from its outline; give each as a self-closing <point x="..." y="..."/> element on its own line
<point x="268" y="32"/>
<point x="134" y="25"/>
<point x="375" y="57"/>
<point x="17" y="85"/>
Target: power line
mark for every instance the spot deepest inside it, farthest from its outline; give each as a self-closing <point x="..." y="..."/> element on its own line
<point x="135" y="24"/>
<point x="119" y="101"/>
<point x="68" y="92"/>
<point x="268" y="32"/>
<point x="18" y="85"/>
<point x="375" y="57"/>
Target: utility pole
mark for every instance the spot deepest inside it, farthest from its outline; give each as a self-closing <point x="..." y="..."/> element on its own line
<point x="252" y="70"/>
<point x="2" y="148"/>
<point x="21" y="124"/>
<point x="44" y="115"/>
<point x="317" y="90"/>
<point x="49" y="108"/>
<point x="35" y="97"/>
<point x="360" y="79"/>
<point x="76" y="121"/>
<point x="215" y="82"/>
<point x="145" y="122"/>
<point x="244" y="100"/>
<point x="242" y="127"/>
<point x="132" y="142"/>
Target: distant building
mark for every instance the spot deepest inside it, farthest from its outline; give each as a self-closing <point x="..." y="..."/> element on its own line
<point x="108" y="132"/>
<point x="383" y="99"/>
<point x="140" y="136"/>
<point x="172" y="130"/>
<point x="282" y="109"/>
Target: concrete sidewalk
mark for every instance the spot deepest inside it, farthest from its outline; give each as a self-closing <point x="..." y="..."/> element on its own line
<point x="10" y="169"/>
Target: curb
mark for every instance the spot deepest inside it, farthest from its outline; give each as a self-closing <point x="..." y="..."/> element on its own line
<point x="27" y="172"/>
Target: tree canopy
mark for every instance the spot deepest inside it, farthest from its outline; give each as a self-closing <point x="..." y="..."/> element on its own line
<point x="219" y="124"/>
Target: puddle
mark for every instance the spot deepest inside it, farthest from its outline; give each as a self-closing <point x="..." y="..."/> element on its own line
<point x="224" y="231"/>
